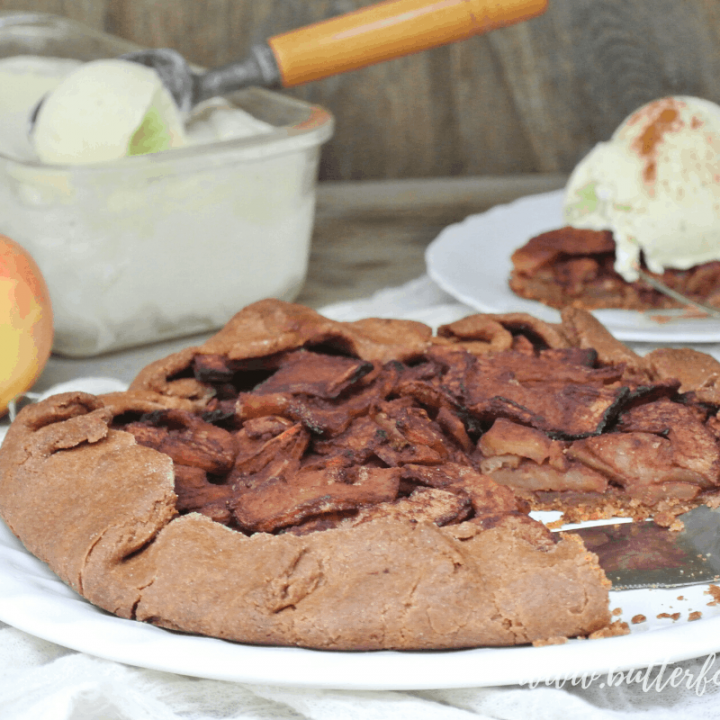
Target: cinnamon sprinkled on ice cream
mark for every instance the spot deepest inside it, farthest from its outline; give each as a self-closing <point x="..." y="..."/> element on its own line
<point x="656" y="185"/>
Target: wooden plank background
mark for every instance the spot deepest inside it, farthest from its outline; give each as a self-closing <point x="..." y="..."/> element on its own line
<point x="531" y="98"/>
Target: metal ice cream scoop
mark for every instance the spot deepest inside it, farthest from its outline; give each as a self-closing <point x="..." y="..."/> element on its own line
<point x="370" y="35"/>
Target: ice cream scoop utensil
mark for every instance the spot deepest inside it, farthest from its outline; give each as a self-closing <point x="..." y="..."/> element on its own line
<point x="675" y="295"/>
<point x="370" y="35"/>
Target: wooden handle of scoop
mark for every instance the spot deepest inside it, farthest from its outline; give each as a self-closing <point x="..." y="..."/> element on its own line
<point x="389" y="30"/>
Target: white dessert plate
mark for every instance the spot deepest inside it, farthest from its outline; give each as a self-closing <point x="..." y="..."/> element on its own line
<point x="33" y="599"/>
<point x="471" y="261"/>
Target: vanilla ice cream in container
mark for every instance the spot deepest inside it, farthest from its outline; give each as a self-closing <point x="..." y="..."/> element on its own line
<point x="147" y="223"/>
<point x="656" y="185"/>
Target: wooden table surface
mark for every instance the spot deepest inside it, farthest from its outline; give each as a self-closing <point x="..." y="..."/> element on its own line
<point x="368" y="236"/>
<point x="533" y="97"/>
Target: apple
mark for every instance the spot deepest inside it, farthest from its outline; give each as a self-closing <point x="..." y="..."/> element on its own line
<point x="26" y="322"/>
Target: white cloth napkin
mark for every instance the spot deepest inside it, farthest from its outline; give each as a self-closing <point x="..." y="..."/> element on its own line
<point x="43" y="681"/>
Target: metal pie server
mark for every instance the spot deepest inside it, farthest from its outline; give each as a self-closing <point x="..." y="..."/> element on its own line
<point x="370" y="35"/>
<point x="644" y="555"/>
<point x="675" y="295"/>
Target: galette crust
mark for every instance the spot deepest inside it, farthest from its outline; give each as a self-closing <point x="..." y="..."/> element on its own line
<point x="101" y="510"/>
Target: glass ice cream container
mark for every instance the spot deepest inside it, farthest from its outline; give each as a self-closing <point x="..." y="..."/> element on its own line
<point x="155" y="246"/>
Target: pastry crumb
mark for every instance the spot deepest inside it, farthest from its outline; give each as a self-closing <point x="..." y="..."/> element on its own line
<point x="713" y="590"/>
<point x="695" y="615"/>
<point x="673" y="616"/>
<point x="555" y="524"/>
<point x="617" y="611"/>
<point x="550" y="641"/>
<point x="614" y="629"/>
<point x="637" y="619"/>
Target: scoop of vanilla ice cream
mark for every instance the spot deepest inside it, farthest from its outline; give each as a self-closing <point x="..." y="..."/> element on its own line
<point x="106" y="110"/>
<point x="656" y="185"/>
